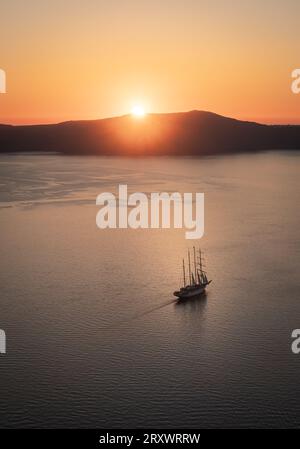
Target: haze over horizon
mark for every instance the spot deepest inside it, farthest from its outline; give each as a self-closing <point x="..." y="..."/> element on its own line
<point x="70" y="62"/>
<point x="151" y="113"/>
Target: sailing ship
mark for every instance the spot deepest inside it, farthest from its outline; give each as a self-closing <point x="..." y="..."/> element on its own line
<point x="197" y="278"/>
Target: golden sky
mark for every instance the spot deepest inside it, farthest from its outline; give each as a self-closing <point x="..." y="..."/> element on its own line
<point x="90" y="59"/>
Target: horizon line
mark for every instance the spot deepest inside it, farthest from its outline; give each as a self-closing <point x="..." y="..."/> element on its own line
<point x="258" y="120"/>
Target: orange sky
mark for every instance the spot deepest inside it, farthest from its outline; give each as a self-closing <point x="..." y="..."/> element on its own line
<point x="82" y="60"/>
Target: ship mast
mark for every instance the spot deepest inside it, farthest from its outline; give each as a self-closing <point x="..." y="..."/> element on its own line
<point x="195" y="265"/>
<point x="184" y="281"/>
<point x="190" y="277"/>
<point x="200" y="261"/>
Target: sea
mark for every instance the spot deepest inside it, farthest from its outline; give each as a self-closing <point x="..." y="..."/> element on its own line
<point x="95" y="337"/>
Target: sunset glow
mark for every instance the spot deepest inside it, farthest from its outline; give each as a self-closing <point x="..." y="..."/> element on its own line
<point x="202" y="55"/>
<point x="138" y="111"/>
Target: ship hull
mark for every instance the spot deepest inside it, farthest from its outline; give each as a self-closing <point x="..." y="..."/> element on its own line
<point x="190" y="292"/>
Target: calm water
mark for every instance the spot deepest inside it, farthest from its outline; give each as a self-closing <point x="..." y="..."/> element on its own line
<point x="94" y="337"/>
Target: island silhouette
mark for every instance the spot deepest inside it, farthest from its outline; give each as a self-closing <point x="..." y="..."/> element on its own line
<point x="193" y="133"/>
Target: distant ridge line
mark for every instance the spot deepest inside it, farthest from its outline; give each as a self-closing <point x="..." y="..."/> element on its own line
<point x="176" y="133"/>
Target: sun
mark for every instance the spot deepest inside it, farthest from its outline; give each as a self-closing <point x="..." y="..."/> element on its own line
<point x="138" y="111"/>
